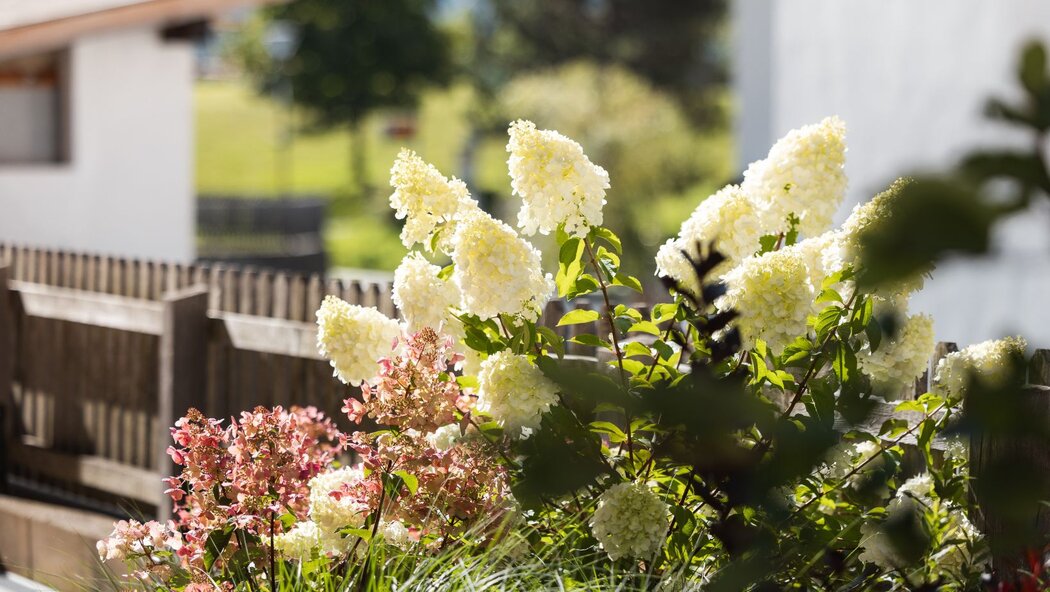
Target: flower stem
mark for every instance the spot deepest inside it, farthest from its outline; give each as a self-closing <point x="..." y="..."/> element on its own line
<point x="616" y="345"/>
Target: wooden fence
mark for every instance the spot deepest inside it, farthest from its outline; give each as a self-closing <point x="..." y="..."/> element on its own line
<point x="98" y="355"/>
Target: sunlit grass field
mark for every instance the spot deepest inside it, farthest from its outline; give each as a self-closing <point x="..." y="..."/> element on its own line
<point x="238" y="152"/>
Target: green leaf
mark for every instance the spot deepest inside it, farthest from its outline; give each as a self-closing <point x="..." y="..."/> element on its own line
<point x="829" y="295"/>
<point x="570" y="265"/>
<point x="585" y="284"/>
<point x="446" y="272"/>
<point x="608" y="237"/>
<point x="616" y="435"/>
<point x="364" y="534"/>
<point x="628" y="281"/>
<point x="665" y="311"/>
<point x="760" y="348"/>
<point x="768" y="242"/>
<point x="827" y="320"/>
<point x="467" y="381"/>
<point x="589" y="340"/>
<point x="411" y="482"/>
<point x="663" y="349"/>
<point x="579" y="316"/>
<point x="845" y="362"/>
<point x="552" y="339"/>
<point x="874" y="332"/>
<point x="644" y="327"/>
<point x="635" y="348"/>
<point x="1033" y="68"/>
<point x="215" y="545"/>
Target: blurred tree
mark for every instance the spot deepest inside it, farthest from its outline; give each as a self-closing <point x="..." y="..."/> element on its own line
<point x="351" y="58"/>
<point x="671" y="43"/>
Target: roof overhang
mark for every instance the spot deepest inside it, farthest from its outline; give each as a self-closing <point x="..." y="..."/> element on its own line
<point x="58" y="31"/>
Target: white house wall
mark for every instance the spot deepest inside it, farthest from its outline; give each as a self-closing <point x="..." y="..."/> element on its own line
<point x="128" y="188"/>
<point x="910" y="78"/>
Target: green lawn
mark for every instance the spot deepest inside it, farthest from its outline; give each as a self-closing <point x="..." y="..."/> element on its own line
<point x="237" y="152"/>
<point x="237" y="134"/>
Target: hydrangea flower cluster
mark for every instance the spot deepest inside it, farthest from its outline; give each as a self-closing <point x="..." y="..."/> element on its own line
<point x="149" y="542"/>
<point x="415" y="389"/>
<point x="630" y="521"/>
<point x="247" y="473"/>
<point x="867" y="217"/>
<point x="423" y="297"/>
<point x="900" y="359"/>
<point x="424" y="198"/>
<point x="989" y="362"/>
<point x="558" y="184"/>
<point x="804" y="175"/>
<point x="514" y="391"/>
<point x="773" y="294"/>
<point x="729" y="218"/>
<point x="496" y="270"/>
<point x="332" y="512"/>
<point x="457" y="488"/>
<point x="824" y="256"/>
<point x="353" y="338"/>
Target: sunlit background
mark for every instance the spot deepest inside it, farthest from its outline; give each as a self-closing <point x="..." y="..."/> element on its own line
<point x="262" y="133"/>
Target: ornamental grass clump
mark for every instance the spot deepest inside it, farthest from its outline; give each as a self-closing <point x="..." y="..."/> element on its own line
<point x="706" y="449"/>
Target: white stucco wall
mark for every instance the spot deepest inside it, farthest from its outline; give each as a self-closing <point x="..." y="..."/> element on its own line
<point x="910" y="78"/>
<point x="128" y="188"/>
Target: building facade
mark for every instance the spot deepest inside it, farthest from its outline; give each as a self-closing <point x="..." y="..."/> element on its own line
<point x="911" y="80"/>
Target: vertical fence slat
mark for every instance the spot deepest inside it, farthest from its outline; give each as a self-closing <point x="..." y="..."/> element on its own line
<point x="10" y="421"/>
<point x="1039" y="370"/>
<point x="183" y="364"/>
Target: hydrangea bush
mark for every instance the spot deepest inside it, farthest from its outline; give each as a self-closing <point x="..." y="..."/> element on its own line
<point x="712" y="448"/>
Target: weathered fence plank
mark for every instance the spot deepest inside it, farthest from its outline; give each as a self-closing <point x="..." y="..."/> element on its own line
<point x="183" y="367"/>
<point x="99" y="310"/>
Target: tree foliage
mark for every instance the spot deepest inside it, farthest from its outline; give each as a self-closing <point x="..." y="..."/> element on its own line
<point x="354" y="57"/>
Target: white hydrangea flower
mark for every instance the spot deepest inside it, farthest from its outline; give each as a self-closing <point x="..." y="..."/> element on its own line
<point x="424" y="198"/>
<point x="444" y="437"/>
<point x="867" y="216"/>
<point x="630" y="521"/>
<point x="353" y="338"/>
<point x="773" y="294"/>
<point x="846" y="459"/>
<point x="672" y="263"/>
<point x="955" y="557"/>
<point x="514" y="391"/>
<point x="803" y="175"/>
<point x="424" y="299"/>
<point x="395" y="533"/>
<point x="919" y="487"/>
<point x="558" y="184"/>
<point x="988" y="360"/>
<point x="330" y="513"/>
<point x="899" y="361"/>
<point x="300" y="542"/>
<point x="823" y="256"/>
<point x="496" y="270"/>
<point x="731" y="219"/>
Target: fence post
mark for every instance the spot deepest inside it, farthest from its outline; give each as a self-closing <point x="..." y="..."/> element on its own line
<point x="183" y="370"/>
<point x="1010" y="469"/>
<point x="940" y="351"/>
<point x="8" y="411"/>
